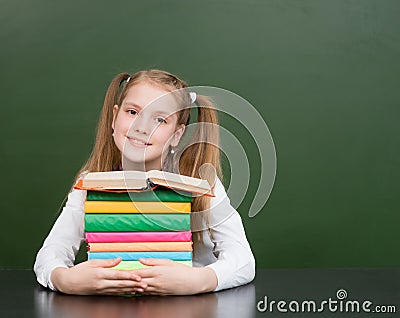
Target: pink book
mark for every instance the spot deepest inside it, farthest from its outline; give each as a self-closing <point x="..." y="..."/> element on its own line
<point x="111" y="237"/>
<point x="141" y="247"/>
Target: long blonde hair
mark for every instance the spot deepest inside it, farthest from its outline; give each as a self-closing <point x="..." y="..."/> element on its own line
<point x="106" y="156"/>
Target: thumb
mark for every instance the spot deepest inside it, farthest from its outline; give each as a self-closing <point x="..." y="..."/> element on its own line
<point x="105" y="262"/>
<point x="155" y="261"/>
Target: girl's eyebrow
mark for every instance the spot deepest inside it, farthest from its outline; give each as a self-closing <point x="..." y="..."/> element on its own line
<point x="133" y="104"/>
<point x="161" y="112"/>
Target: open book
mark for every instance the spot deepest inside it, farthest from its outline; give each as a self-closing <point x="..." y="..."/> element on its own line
<point x="141" y="180"/>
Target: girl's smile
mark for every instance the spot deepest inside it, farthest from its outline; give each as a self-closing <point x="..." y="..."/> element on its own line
<point x="138" y="142"/>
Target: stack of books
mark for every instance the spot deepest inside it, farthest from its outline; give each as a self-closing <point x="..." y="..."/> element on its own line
<point x="133" y="215"/>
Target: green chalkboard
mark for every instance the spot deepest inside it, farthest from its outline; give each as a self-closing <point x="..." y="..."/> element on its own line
<point x="324" y="75"/>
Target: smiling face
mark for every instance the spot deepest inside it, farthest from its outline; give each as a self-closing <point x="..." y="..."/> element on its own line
<point x="145" y="125"/>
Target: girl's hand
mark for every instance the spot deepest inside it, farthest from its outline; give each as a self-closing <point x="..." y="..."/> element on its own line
<point x="95" y="277"/>
<point x="167" y="277"/>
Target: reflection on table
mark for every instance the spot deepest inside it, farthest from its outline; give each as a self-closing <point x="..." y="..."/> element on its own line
<point x="236" y="302"/>
<point x="22" y="296"/>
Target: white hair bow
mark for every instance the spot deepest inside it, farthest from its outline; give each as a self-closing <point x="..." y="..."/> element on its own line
<point x="193" y="96"/>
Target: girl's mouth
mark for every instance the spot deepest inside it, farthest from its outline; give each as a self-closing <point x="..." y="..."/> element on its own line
<point x="138" y="143"/>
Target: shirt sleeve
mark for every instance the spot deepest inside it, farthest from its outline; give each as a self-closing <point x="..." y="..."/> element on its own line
<point x="235" y="263"/>
<point x="63" y="242"/>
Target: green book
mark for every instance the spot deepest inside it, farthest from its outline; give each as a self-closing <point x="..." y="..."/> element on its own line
<point x="158" y="194"/>
<point x="133" y="222"/>
<point x="132" y="265"/>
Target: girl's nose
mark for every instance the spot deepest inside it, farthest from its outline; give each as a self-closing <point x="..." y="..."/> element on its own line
<point x="140" y="130"/>
<point x="140" y="125"/>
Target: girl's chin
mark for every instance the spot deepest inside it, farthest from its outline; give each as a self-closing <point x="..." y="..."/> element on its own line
<point x="134" y="161"/>
<point x="136" y="151"/>
<point x="136" y="147"/>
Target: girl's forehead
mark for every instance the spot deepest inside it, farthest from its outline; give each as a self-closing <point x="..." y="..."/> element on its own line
<point x="150" y="98"/>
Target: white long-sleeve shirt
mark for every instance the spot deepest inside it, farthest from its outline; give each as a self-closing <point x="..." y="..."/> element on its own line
<point x="224" y="246"/>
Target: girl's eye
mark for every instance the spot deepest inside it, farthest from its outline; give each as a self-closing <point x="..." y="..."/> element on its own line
<point x="161" y="120"/>
<point x="132" y="111"/>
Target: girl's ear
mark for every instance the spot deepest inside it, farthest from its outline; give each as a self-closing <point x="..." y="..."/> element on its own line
<point x="178" y="135"/>
<point x="115" y="111"/>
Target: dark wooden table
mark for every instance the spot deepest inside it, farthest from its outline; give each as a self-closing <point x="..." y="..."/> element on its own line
<point x="21" y="296"/>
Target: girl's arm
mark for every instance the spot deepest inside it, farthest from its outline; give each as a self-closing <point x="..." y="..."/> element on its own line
<point x="54" y="265"/>
<point x="235" y="264"/>
<point x="62" y="244"/>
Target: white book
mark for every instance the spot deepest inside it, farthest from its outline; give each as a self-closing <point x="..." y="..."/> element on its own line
<point x="145" y="180"/>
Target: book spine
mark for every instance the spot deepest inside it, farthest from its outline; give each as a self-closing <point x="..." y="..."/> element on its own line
<point x="136" y="222"/>
<point x="150" y="184"/>
<point x="134" y="256"/>
<point x="132" y="265"/>
<point x="136" y="207"/>
<point x="114" y="237"/>
<point x="141" y="247"/>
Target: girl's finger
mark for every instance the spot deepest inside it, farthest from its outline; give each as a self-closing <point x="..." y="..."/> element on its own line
<point x="149" y="281"/>
<point x="119" y="274"/>
<point x="156" y="261"/>
<point x="127" y="290"/>
<point x="121" y="284"/>
<point x="105" y="262"/>
<point x="146" y="272"/>
<point x="154" y="289"/>
<point x="154" y="293"/>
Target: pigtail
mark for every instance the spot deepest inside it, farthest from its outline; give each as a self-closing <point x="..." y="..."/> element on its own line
<point x="204" y="144"/>
<point x="105" y="155"/>
<point x="201" y="159"/>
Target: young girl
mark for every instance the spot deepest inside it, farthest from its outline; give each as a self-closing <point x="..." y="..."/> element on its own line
<point x="138" y="137"/>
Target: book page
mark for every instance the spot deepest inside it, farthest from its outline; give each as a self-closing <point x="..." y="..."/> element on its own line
<point x="170" y="179"/>
<point x="116" y="180"/>
<point x="136" y="180"/>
